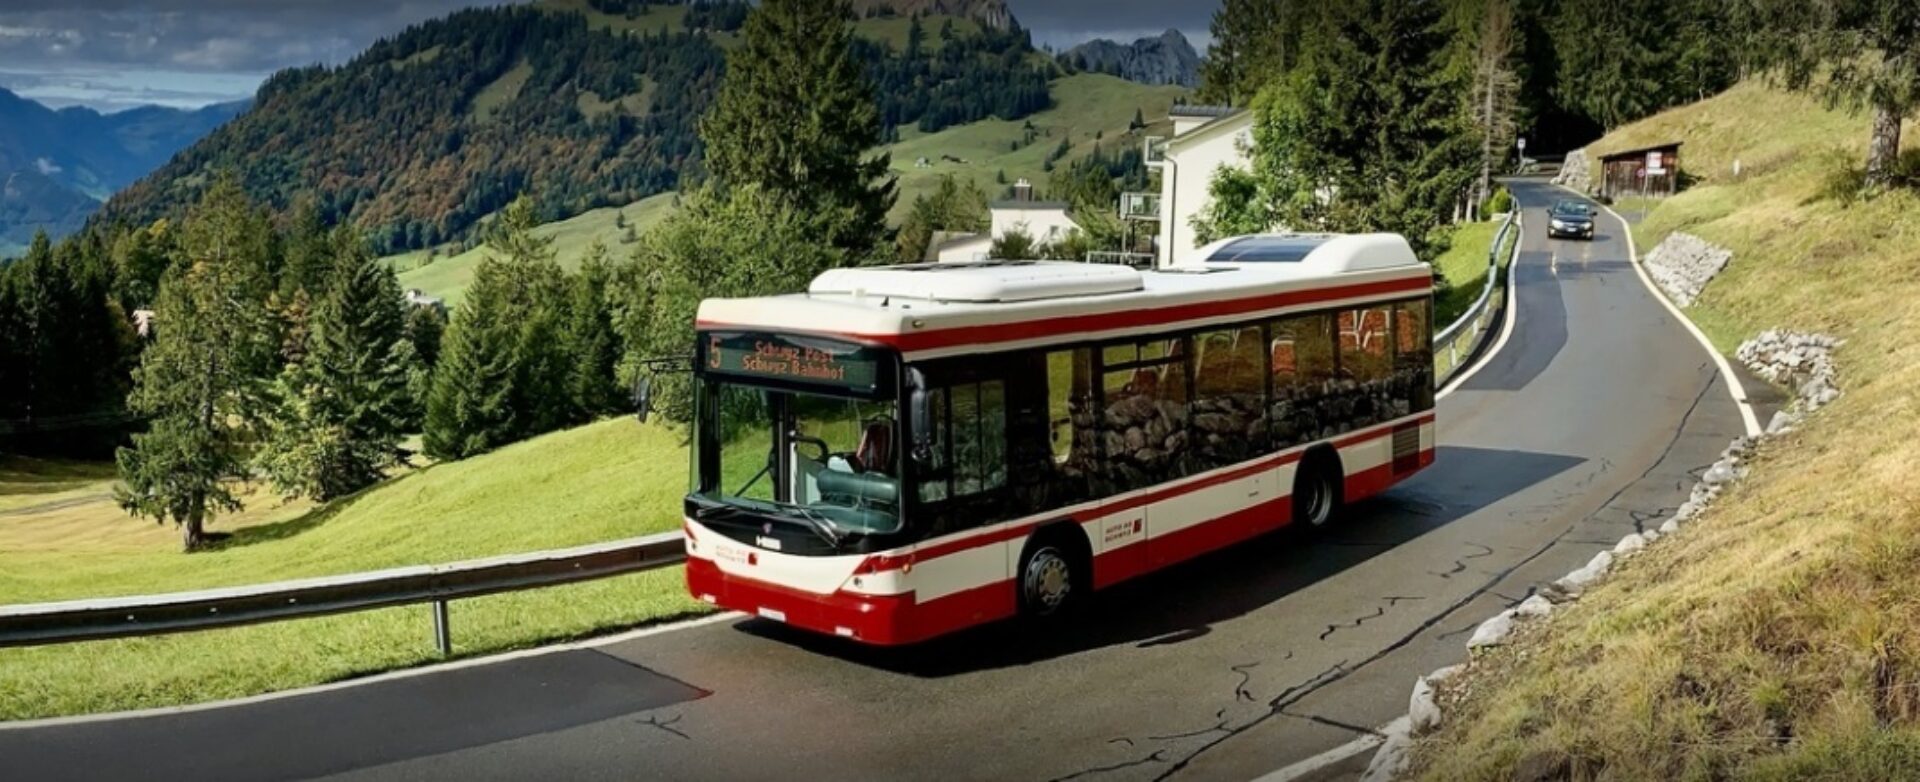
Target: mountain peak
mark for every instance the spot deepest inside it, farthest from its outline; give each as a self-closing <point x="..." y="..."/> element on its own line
<point x="1165" y="59"/>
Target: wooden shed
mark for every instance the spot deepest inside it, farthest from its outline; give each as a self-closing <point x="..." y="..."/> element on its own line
<point x="1648" y="171"/>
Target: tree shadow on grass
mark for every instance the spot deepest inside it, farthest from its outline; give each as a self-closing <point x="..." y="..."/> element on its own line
<point x="298" y="525"/>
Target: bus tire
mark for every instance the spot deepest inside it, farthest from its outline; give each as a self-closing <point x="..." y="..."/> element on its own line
<point x="1317" y="489"/>
<point x="1055" y="572"/>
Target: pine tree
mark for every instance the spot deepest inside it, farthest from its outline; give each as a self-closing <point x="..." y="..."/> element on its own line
<point x="796" y="117"/>
<point x="503" y="369"/>
<point x="1861" y="54"/>
<point x="308" y="252"/>
<point x="1254" y="43"/>
<point x="198" y="380"/>
<point x="591" y="342"/>
<point x="339" y="412"/>
<point x="425" y="330"/>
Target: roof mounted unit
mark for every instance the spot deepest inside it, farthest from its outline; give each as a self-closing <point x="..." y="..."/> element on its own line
<point x="984" y="281"/>
<point x="1314" y="253"/>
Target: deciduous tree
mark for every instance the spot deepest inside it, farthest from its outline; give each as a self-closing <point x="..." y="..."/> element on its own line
<point x="1860" y="54"/>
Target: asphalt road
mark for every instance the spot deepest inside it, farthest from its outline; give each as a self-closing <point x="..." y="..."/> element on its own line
<point x="1593" y="420"/>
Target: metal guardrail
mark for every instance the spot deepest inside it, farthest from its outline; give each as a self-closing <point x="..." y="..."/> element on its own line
<point x="1461" y="339"/>
<point x="120" y="617"/>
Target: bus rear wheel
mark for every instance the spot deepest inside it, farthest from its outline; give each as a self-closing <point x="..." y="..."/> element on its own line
<point x="1316" y="491"/>
<point x="1049" y="578"/>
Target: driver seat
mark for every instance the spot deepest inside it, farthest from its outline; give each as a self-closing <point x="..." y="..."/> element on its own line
<point x="875" y="452"/>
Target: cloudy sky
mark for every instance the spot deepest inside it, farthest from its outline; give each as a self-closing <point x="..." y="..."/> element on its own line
<point x="115" y="54"/>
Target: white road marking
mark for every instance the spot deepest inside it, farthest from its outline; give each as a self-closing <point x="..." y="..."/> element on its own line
<point x="1506" y="328"/>
<point x="385" y="677"/>
<point x="1332" y="756"/>
<point x="1734" y="388"/>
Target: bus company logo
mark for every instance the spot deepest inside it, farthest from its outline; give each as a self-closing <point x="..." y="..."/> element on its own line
<point x="1122" y="530"/>
<point x="733" y="554"/>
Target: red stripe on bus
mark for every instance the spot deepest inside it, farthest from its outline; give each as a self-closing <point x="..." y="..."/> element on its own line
<point x="1090" y="323"/>
<point x="880" y="563"/>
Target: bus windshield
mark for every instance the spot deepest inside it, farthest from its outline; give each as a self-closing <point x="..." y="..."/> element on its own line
<point x="829" y="462"/>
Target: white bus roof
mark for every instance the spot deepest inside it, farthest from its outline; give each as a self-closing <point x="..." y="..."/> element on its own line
<point x="937" y="309"/>
<point x="1313" y="253"/>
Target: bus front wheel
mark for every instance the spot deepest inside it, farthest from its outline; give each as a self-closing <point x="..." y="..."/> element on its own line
<point x="1316" y="490"/>
<point x="1051" y="580"/>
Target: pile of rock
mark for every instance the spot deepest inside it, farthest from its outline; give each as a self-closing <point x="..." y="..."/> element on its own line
<point x="1576" y="172"/>
<point x="1683" y="264"/>
<point x="1798" y="360"/>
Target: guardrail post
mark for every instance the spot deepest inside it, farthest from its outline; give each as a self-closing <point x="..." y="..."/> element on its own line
<point x="442" y="635"/>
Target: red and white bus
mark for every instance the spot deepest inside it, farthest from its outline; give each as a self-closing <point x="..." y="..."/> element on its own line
<point x="904" y="451"/>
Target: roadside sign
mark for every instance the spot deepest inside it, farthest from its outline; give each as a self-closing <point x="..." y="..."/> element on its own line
<point x="1522" y="142"/>
<point x="1656" y="164"/>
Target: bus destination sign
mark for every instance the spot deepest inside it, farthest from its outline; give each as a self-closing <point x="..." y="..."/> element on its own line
<point x="795" y="360"/>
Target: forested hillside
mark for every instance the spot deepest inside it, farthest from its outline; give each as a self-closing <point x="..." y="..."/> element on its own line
<point x="582" y="105"/>
<point x="424" y="133"/>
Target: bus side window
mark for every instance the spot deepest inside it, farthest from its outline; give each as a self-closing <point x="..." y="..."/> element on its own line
<point x="979" y="434"/>
<point x="936" y="478"/>
<point x="1229" y="393"/>
<point x="1069" y="403"/>
<point x="1301" y="348"/>
<point x="1366" y="368"/>
<point x="1413" y="355"/>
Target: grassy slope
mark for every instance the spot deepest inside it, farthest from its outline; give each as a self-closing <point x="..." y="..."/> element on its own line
<point x="1083" y="105"/>
<point x="1779" y="636"/>
<point x="448" y="276"/>
<point x="606" y="481"/>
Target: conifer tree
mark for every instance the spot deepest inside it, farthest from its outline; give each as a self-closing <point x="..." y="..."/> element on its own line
<point x="338" y="413"/>
<point x="1859" y="54"/>
<point x="1254" y="43"/>
<point x="592" y="344"/>
<point x="198" y="381"/>
<point x="796" y="117"/>
<point x="503" y="369"/>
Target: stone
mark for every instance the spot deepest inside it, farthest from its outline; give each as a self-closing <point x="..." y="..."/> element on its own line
<point x="1650" y="535"/>
<point x="1672" y="526"/>
<point x="1392" y="757"/>
<point x="1782" y="423"/>
<point x="1535" y="606"/>
<point x="1633" y="542"/>
<point x="1492" y="632"/>
<point x="1580" y="579"/>
<point x="1723" y="471"/>
<point x="1422" y="710"/>
<point x="1682" y="265"/>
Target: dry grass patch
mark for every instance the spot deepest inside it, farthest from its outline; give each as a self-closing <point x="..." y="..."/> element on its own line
<point x="1777" y="637"/>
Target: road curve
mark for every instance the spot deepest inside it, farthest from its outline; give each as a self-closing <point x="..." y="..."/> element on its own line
<point x="1591" y="421"/>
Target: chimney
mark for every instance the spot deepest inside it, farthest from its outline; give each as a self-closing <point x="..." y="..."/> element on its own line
<point x="1023" y="191"/>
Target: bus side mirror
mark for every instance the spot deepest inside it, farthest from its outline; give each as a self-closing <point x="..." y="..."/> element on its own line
<point x="642" y="397"/>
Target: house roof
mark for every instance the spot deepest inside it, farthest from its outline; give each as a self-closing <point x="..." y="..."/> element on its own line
<point x="1031" y="206"/>
<point x="1230" y="122"/>
<point x="1640" y="152"/>
<point x="1202" y="110"/>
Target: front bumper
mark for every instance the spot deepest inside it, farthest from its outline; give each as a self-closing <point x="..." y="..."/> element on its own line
<point x="1583" y="232"/>
<point x="882" y="620"/>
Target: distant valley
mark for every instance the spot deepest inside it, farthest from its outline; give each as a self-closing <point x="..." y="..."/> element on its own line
<point x="56" y="166"/>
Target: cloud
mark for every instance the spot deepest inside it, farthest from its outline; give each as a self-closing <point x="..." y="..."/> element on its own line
<point x="47" y="167"/>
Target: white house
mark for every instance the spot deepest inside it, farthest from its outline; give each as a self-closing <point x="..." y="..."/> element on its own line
<point x="1205" y="138"/>
<point x="1047" y="222"/>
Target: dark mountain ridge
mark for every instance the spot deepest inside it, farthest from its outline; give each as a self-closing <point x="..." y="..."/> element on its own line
<point x="1165" y="59"/>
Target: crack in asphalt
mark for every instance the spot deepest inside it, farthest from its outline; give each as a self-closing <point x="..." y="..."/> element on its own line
<point x="667" y="726"/>
<point x="1460" y="565"/>
<point x="1378" y="612"/>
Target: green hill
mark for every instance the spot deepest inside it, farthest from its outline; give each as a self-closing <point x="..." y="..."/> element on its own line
<point x="607" y="481"/>
<point x="1777" y="636"/>
<point x="1085" y="105"/>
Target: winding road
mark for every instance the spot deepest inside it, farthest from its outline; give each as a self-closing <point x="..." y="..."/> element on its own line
<point x="1593" y="419"/>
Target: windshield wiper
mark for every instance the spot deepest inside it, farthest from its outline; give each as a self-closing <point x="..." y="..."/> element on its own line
<point x="720" y="512"/>
<point x="821" y="525"/>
